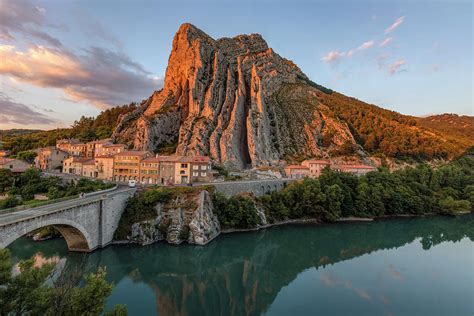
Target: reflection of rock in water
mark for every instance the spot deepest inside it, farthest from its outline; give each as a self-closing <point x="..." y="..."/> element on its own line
<point x="241" y="274"/>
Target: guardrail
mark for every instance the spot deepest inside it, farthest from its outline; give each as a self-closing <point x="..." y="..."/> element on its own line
<point x="49" y="202"/>
<point x="38" y="204"/>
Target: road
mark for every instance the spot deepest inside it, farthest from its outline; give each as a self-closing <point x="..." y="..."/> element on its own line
<point x="13" y="217"/>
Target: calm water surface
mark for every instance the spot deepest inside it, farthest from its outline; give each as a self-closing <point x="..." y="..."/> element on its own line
<point x="393" y="267"/>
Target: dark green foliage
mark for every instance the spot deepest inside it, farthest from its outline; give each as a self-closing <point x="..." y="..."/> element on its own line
<point x="236" y="212"/>
<point x="413" y="191"/>
<point x="141" y="207"/>
<point x="31" y="182"/>
<point x="27" y="156"/>
<point x="29" y="293"/>
<point x="6" y="180"/>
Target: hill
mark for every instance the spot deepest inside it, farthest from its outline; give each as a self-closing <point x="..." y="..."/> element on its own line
<point x="239" y="102"/>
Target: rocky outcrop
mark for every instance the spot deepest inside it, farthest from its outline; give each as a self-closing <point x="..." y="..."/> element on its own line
<point x="187" y="218"/>
<point x="235" y="100"/>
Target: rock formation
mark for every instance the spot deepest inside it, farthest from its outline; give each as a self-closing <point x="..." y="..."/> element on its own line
<point x="187" y="218"/>
<point x="235" y="100"/>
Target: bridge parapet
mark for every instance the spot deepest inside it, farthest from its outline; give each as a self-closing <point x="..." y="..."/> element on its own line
<point x="257" y="187"/>
<point x="86" y="223"/>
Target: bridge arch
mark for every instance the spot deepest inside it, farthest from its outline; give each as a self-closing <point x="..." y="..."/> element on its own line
<point x="76" y="236"/>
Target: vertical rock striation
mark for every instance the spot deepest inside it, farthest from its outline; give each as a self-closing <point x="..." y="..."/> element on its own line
<point x="233" y="99"/>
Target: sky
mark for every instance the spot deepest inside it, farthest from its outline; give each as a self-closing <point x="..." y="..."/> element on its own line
<point x="61" y="59"/>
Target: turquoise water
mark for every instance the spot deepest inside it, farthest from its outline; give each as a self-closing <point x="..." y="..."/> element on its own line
<point x="419" y="266"/>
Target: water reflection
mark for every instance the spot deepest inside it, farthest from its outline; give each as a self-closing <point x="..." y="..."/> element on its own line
<point x="242" y="274"/>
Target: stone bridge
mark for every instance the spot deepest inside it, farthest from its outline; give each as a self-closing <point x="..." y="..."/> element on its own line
<point x="257" y="187"/>
<point x="86" y="223"/>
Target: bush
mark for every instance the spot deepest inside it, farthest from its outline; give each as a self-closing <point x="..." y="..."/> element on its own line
<point x="236" y="212"/>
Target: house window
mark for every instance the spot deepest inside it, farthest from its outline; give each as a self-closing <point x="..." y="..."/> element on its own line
<point x="184" y="165"/>
<point x="203" y="174"/>
<point x="195" y="174"/>
<point x="203" y="167"/>
<point x="195" y="167"/>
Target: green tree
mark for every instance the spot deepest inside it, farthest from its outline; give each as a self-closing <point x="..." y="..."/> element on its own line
<point x="6" y="180"/>
<point x="28" y="293"/>
<point x="27" y="156"/>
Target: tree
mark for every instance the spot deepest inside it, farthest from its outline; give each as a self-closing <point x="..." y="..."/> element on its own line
<point x="28" y="156"/>
<point x="28" y="293"/>
<point x="6" y="180"/>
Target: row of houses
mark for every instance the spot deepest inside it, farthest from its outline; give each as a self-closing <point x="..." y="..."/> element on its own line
<point x="113" y="162"/>
<point x="143" y="167"/>
<point x="314" y="168"/>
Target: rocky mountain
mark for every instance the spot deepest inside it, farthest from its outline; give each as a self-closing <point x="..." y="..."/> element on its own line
<point x="244" y="105"/>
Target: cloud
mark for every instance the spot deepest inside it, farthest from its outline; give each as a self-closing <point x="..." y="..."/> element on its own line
<point x="17" y="113"/>
<point x="333" y="56"/>
<point x="395" y="24"/>
<point x="366" y="45"/>
<point x="98" y="76"/>
<point x="386" y="41"/>
<point x="22" y="18"/>
<point x="395" y="67"/>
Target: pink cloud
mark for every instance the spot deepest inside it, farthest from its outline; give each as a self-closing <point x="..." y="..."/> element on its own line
<point x="333" y="56"/>
<point x="366" y="45"/>
<point x="386" y="41"/>
<point x="395" y="24"/>
<point x="395" y="67"/>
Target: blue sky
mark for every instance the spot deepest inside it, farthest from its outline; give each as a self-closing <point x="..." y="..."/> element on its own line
<point x="63" y="59"/>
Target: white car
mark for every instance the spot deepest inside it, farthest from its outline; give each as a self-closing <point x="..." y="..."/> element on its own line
<point x="132" y="183"/>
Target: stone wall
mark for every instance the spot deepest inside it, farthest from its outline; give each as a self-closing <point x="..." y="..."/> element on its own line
<point x="257" y="187"/>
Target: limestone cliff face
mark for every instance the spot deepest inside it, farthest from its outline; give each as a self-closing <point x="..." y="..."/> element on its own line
<point x="235" y="100"/>
<point x="187" y="218"/>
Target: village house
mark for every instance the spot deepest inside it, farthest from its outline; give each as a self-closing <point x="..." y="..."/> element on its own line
<point x="110" y="149"/>
<point x="74" y="165"/>
<point x="16" y="166"/>
<point x="93" y="148"/>
<point x="78" y="149"/>
<point x="65" y="144"/>
<point x="200" y="168"/>
<point x="297" y="171"/>
<point x="167" y="169"/>
<point x="88" y="169"/>
<point x="127" y="165"/>
<point x="104" y="166"/>
<point x="150" y="171"/>
<point x="315" y="167"/>
<point x="50" y="158"/>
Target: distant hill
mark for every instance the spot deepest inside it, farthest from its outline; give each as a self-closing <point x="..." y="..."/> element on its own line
<point x="85" y="129"/>
<point x="457" y="128"/>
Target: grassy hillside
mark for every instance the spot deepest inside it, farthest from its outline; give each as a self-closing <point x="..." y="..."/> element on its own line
<point x="395" y="135"/>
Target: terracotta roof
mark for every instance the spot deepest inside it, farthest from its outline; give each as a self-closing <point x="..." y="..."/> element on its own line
<point x="321" y="162"/>
<point x="113" y="145"/>
<point x="296" y="167"/>
<point x="89" y="162"/>
<point x="151" y="159"/>
<point x="201" y="159"/>
<point x="133" y="153"/>
<point x="4" y="161"/>
<point x="104" y="156"/>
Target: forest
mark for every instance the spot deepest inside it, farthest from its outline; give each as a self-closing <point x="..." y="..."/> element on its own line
<point x="422" y="190"/>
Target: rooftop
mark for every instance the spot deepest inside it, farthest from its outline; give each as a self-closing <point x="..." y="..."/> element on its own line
<point x="296" y="167"/>
<point x="133" y="153"/>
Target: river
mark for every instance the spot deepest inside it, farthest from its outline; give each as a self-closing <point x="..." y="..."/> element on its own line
<point x="416" y="266"/>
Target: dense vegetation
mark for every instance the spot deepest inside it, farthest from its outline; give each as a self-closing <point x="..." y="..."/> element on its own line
<point x="32" y="292"/>
<point x="413" y="191"/>
<point x="395" y="135"/>
<point x="22" y="188"/>
<point x="85" y="129"/>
